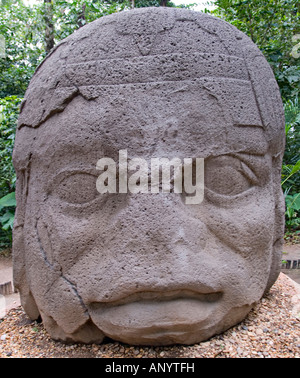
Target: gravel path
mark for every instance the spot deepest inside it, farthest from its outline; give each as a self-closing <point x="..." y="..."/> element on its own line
<point x="271" y="329"/>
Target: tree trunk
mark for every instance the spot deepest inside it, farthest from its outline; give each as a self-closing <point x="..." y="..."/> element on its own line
<point x="81" y="17"/>
<point x="163" y="3"/>
<point x="49" y="26"/>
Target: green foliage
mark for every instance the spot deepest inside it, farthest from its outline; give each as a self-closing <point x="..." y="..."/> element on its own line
<point x="291" y="159"/>
<point x="292" y="132"/>
<point x="291" y="164"/>
<point x="152" y="3"/>
<point x="69" y="16"/>
<point x="288" y="171"/>
<point x="273" y="25"/>
<point x="9" y="110"/>
<point x="292" y="197"/>
<point x="22" y="32"/>
<point x="292" y="210"/>
<point x="8" y="203"/>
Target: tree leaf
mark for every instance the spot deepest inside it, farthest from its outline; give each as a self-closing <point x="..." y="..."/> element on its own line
<point x="8" y="200"/>
<point x="7" y="220"/>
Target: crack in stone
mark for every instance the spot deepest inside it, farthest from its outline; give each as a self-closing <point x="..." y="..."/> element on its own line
<point x="61" y="275"/>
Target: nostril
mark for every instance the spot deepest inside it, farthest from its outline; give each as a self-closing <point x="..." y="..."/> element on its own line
<point x="179" y="242"/>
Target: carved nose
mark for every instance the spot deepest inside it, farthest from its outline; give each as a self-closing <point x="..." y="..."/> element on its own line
<point x="163" y="220"/>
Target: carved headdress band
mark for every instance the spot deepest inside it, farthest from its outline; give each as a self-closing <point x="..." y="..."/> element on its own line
<point x="155" y="51"/>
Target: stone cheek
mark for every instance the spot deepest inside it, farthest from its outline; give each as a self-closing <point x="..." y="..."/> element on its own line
<point x="147" y="268"/>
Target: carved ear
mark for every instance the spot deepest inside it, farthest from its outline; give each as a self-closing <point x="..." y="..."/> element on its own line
<point x="268" y="97"/>
<point x="272" y="114"/>
<point x="19" y="259"/>
<point x="279" y="222"/>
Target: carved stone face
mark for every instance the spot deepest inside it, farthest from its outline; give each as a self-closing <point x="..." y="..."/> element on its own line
<point x="146" y="268"/>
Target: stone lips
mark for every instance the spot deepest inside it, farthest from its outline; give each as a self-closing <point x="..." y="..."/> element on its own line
<point x="147" y="270"/>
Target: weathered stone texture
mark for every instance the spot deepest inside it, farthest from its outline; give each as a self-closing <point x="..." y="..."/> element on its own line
<point x="147" y="268"/>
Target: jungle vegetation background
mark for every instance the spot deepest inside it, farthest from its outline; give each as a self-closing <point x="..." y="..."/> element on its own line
<point x="29" y="30"/>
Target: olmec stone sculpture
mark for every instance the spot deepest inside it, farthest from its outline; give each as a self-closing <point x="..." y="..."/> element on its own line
<point x="148" y="268"/>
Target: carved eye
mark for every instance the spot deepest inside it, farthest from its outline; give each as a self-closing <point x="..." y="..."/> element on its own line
<point x="77" y="188"/>
<point x="228" y="176"/>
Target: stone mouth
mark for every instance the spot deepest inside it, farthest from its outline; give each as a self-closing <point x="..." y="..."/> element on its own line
<point x="159" y="296"/>
<point x="159" y="318"/>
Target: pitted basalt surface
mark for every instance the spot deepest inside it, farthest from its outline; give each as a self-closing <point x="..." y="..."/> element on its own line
<point x="146" y="268"/>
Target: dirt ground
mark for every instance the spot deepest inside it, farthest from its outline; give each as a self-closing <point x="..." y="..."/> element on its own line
<point x="291" y="252"/>
<point x="271" y="330"/>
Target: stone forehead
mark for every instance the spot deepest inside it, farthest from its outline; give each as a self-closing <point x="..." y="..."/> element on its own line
<point x="154" y="45"/>
<point x="140" y="46"/>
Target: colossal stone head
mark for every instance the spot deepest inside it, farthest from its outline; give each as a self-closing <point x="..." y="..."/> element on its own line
<point x="148" y="268"/>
